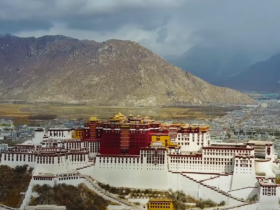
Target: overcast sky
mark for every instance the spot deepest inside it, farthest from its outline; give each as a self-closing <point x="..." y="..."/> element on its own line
<point x="165" y="26"/>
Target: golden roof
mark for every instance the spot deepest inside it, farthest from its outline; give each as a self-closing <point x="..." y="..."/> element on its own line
<point x="120" y="114"/>
<point x="93" y="118"/>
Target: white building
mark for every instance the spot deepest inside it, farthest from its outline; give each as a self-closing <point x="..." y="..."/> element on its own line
<point x="219" y="171"/>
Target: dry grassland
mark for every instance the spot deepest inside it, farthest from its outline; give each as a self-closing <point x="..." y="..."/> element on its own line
<point x="21" y="112"/>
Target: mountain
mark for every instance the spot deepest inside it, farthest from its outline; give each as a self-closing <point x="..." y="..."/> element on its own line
<point x="67" y="70"/>
<point x="262" y="76"/>
<point x="214" y="63"/>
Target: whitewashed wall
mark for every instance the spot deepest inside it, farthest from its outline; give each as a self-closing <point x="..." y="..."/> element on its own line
<point x="143" y="177"/>
<point x="38" y="137"/>
<point x="71" y="180"/>
<point x="15" y="163"/>
<point x="264" y="167"/>
<point x="225" y="182"/>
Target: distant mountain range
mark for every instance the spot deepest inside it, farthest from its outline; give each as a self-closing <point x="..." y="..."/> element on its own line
<point x="230" y="67"/>
<point x="262" y="76"/>
<point x="67" y="70"/>
<point x="211" y="63"/>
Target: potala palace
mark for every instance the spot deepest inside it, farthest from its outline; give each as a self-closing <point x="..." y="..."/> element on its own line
<point x="137" y="152"/>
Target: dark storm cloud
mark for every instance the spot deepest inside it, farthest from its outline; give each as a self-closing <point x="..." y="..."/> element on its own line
<point x="144" y="19"/>
<point x="162" y="25"/>
<point x="250" y="23"/>
<point x="84" y="15"/>
<point x="14" y="26"/>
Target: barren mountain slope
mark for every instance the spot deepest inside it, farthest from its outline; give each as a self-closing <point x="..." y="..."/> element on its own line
<point x="62" y="69"/>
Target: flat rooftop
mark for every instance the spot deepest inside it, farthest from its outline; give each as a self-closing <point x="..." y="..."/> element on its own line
<point x="263" y="143"/>
<point x="267" y="182"/>
<point x="227" y="144"/>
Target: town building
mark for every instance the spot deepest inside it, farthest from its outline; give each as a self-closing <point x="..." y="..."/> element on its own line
<point x="160" y="204"/>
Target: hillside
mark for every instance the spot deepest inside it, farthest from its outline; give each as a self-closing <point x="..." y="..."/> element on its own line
<point x="262" y="76"/>
<point x="62" y="69"/>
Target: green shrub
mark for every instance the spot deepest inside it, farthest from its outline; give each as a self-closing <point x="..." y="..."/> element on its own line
<point x="121" y="197"/>
<point x="261" y="173"/>
<point x="30" y="170"/>
<point x="21" y="169"/>
<point x="81" y="197"/>
<point x="12" y="183"/>
<point x="222" y="203"/>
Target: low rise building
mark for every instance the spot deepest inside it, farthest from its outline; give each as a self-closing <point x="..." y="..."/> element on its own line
<point x="160" y="204"/>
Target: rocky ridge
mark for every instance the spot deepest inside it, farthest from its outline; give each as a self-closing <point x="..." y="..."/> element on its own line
<point x="115" y="72"/>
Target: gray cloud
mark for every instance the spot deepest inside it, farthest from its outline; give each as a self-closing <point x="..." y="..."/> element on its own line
<point x="165" y="26"/>
<point x="11" y="26"/>
<point x="162" y="35"/>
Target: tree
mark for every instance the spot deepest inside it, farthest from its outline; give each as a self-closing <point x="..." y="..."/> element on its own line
<point x="178" y="199"/>
<point x="222" y="203"/>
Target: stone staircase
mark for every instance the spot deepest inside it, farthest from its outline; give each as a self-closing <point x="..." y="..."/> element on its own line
<point x="92" y="185"/>
<point x="236" y="207"/>
<point x="209" y="179"/>
<point x="215" y="189"/>
<point x="3" y="207"/>
<point x="92" y="164"/>
<point x="241" y="189"/>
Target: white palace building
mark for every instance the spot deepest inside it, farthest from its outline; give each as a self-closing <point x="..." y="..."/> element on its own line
<point x="140" y="153"/>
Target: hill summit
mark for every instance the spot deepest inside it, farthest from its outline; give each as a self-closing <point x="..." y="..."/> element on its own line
<point x="67" y="70"/>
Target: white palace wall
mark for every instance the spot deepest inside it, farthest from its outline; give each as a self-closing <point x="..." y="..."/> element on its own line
<point x="61" y="163"/>
<point x="219" y="181"/>
<point x="92" y="146"/>
<point x="178" y="181"/>
<point x="13" y="160"/>
<point x="244" y="172"/>
<point x="186" y="185"/>
<point x="264" y="166"/>
<point x="207" y="193"/>
<point x="225" y="182"/>
<point x="214" y="182"/>
<point x="132" y="175"/>
<point x="44" y="163"/>
<point x="229" y="169"/>
<point x="70" y="179"/>
<point x="278" y="192"/>
<point x="42" y="181"/>
<point x="60" y="133"/>
<point x="243" y="180"/>
<point x="38" y="136"/>
<point x="192" y="141"/>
